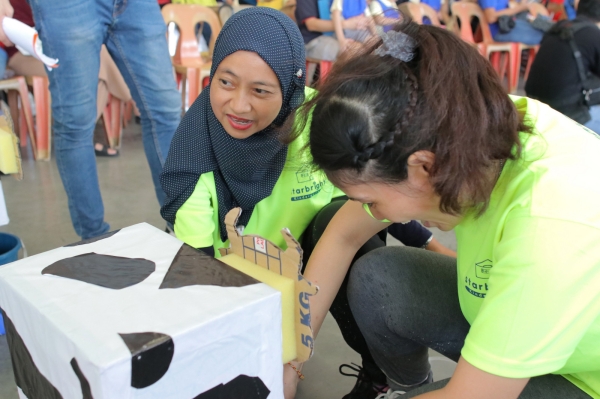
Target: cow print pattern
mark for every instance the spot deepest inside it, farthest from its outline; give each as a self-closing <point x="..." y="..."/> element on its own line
<point x="151" y="356"/>
<point x="241" y="387"/>
<point x="86" y="390"/>
<point x="27" y="376"/>
<point x="107" y="271"/>
<point x="193" y="267"/>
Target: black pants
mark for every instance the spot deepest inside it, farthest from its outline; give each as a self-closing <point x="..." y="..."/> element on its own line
<point x="340" y="309"/>
<point x="419" y="291"/>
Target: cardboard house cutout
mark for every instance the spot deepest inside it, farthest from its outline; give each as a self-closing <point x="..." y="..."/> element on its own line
<point x="137" y="314"/>
<point x="286" y="263"/>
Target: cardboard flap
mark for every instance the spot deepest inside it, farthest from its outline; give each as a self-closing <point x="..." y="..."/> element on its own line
<point x="262" y="252"/>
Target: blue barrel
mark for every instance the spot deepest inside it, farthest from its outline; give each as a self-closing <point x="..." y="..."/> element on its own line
<point x="9" y="252"/>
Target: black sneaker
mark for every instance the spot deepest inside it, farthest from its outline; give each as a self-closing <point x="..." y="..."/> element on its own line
<point x="365" y="387"/>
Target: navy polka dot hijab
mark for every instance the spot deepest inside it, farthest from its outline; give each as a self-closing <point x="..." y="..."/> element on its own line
<point x="245" y="170"/>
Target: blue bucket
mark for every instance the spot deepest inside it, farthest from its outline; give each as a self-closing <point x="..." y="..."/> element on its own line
<point x="9" y="252"/>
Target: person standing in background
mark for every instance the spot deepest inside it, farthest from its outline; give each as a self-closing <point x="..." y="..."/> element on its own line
<point x="134" y="33"/>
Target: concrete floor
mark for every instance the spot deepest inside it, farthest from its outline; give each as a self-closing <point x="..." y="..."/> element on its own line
<point x="37" y="207"/>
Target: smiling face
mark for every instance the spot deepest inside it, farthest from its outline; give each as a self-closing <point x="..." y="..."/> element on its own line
<point x="411" y="199"/>
<point x="245" y="94"/>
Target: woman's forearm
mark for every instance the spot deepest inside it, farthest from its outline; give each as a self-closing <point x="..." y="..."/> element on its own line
<point x="436" y="246"/>
<point x="328" y="265"/>
<point x="319" y="25"/>
<point x="492" y="15"/>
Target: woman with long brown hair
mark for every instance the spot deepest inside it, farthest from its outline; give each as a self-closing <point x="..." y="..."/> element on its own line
<point x="418" y="126"/>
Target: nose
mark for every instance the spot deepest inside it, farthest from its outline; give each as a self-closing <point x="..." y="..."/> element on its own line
<point x="240" y="103"/>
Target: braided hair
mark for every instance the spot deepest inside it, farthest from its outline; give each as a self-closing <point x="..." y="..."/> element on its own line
<point x="375" y="110"/>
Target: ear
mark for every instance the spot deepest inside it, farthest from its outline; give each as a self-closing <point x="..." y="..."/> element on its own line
<point x="419" y="166"/>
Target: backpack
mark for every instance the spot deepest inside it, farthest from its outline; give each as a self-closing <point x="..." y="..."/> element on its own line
<point x="590" y="83"/>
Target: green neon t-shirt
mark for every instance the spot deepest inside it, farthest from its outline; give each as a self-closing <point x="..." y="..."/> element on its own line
<point x="297" y="196"/>
<point x="529" y="267"/>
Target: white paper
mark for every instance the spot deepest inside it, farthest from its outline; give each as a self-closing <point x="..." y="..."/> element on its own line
<point x="3" y="214"/>
<point x="26" y="39"/>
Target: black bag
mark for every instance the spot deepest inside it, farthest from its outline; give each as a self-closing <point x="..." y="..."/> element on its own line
<point x="542" y="22"/>
<point x="590" y="83"/>
<point x="591" y="95"/>
<point x="506" y="23"/>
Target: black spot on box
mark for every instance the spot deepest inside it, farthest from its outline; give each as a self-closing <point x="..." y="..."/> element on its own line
<point x="103" y="270"/>
<point x="86" y="390"/>
<point x="241" y="387"/>
<point x="151" y="355"/>
<point x="94" y="239"/>
<point x="193" y="267"/>
<point x="27" y="376"/>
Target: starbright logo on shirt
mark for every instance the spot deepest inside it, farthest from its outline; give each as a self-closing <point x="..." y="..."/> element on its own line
<point x="482" y="272"/>
<point x="307" y="185"/>
<point x="304" y="175"/>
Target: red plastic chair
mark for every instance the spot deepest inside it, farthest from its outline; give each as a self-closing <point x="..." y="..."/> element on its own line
<point x="43" y="115"/>
<point x="311" y="66"/>
<point x="504" y="56"/>
<point x="22" y="116"/>
<point x="189" y="65"/>
<point x="535" y="9"/>
<point x="420" y="10"/>
<point x="113" y="119"/>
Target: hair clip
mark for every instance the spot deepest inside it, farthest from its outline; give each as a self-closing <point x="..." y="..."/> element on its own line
<point x="397" y="44"/>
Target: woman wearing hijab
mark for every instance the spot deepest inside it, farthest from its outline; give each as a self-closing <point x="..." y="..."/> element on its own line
<point x="226" y="154"/>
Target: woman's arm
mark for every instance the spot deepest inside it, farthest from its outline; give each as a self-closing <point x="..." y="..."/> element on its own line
<point x="382" y="20"/>
<point x="436" y="246"/>
<point x="328" y="266"/>
<point x="319" y="25"/>
<point x="469" y="382"/>
<point x="323" y="25"/>
<point x="348" y="231"/>
<point x="194" y="223"/>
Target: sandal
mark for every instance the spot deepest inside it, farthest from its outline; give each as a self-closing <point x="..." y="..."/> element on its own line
<point x="104" y="151"/>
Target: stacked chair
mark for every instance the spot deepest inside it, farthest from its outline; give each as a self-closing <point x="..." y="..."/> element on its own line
<point x="191" y="68"/>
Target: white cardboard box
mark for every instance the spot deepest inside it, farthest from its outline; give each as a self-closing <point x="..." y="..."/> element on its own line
<point x="86" y="340"/>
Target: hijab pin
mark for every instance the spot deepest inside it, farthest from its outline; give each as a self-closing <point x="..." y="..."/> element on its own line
<point x="299" y="73"/>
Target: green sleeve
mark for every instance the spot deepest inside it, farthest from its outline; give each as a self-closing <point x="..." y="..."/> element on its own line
<point x="194" y="222"/>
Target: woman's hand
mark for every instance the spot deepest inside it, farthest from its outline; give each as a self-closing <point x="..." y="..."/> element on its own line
<point x="290" y="380"/>
<point x="436" y="246"/>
